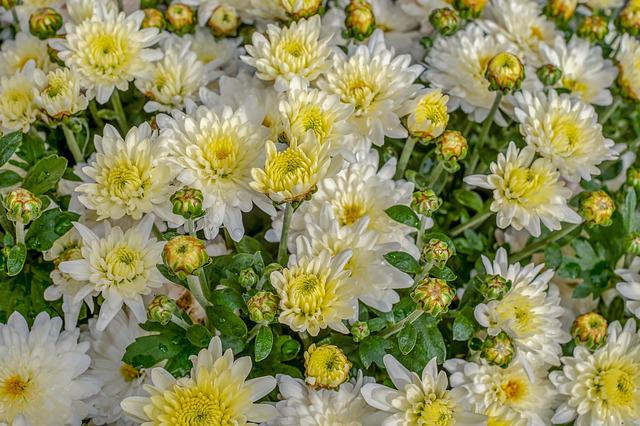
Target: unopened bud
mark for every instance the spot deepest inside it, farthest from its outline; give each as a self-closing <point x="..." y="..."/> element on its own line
<point x="469" y="8"/>
<point x="498" y="350"/>
<point x="263" y="307"/>
<point x="298" y="9"/>
<point x="446" y="21"/>
<point x="633" y="178"/>
<point x="184" y="254"/>
<point x="153" y="18"/>
<point x="597" y="208"/>
<point x="590" y="330"/>
<point x="505" y="73"/>
<point x="359" y="331"/>
<point x="549" y="74"/>
<point x="433" y="295"/>
<point x="426" y="202"/>
<point x="632" y="243"/>
<point x="181" y="19"/>
<point x="326" y="366"/>
<point x="594" y="28"/>
<point x="22" y="205"/>
<point x="629" y="19"/>
<point x="187" y="202"/>
<point x="562" y="10"/>
<point x="428" y="115"/>
<point x="436" y="252"/>
<point x="248" y="278"/>
<point x="7" y="4"/>
<point x="451" y="146"/>
<point x="45" y="23"/>
<point x="161" y="309"/>
<point x="494" y="287"/>
<point x="360" y="20"/>
<point x="224" y="21"/>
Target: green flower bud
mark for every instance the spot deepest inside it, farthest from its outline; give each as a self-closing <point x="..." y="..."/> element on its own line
<point x="633" y="178"/>
<point x="272" y="267"/>
<point x="248" y="278"/>
<point x="469" y="8"/>
<point x="597" y="208"/>
<point x="181" y="19"/>
<point x="326" y="366"/>
<point x="498" y="350"/>
<point x="446" y="21"/>
<point x="549" y="74"/>
<point x="153" y="18"/>
<point x="436" y="252"/>
<point x="161" y="309"/>
<point x="184" y="254"/>
<point x="505" y="73"/>
<point x="7" y="4"/>
<point x="359" y="331"/>
<point x="45" y="23"/>
<point x="628" y="19"/>
<point x="425" y="202"/>
<point x="263" y="307"/>
<point x="187" y="202"/>
<point x="590" y="330"/>
<point x="632" y="243"/>
<point x="224" y="21"/>
<point x="22" y="205"/>
<point x="594" y="28"/>
<point x="304" y="9"/>
<point x="562" y="10"/>
<point x="452" y="146"/>
<point x="494" y="287"/>
<point x="360" y="20"/>
<point x="426" y="43"/>
<point x="433" y="295"/>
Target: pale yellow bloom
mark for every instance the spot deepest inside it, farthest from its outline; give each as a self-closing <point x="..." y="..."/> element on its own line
<point x="427" y="114"/>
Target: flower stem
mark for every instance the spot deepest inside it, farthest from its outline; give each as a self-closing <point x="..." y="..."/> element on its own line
<point x="471" y="223"/>
<point x="286" y="221"/>
<point x="72" y="143"/>
<point x="395" y="328"/>
<point x="554" y="236"/>
<point x="179" y="322"/>
<point x="19" y="232"/>
<point x="404" y="156"/>
<point x="435" y="174"/>
<point x="420" y="236"/>
<point x="195" y="287"/>
<point x="117" y="108"/>
<point x="254" y="332"/>
<point x="306" y="339"/>
<point x="93" y="109"/>
<point x="484" y="132"/>
<point x="191" y="227"/>
<point x="609" y="111"/>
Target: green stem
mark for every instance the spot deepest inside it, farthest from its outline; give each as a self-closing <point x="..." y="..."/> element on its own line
<point x="253" y="332"/>
<point x="467" y="128"/>
<point x="395" y="328"/>
<point x="486" y="126"/>
<point x="93" y="109"/>
<point x="540" y="244"/>
<point x="179" y="322"/>
<point x="609" y="111"/>
<point x="286" y="221"/>
<point x="306" y="339"/>
<point x="195" y="287"/>
<point x="420" y="237"/>
<point x="72" y="143"/>
<point x="19" y="231"/>
<point x="471" y="223"/>
<point x="191" y="227"/>
<point x="435" y="174"/>
<point x="117" y="108"/>
<point x="404" y="156"/>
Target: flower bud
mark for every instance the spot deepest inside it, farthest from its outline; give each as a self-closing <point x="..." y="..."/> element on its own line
<point x="302" y="9"/>
<point x="22" y="205"/>
<point x="562" y="10"/>
<point x="7" y="4"/>
<point x="359" y="331"/>
<point x="549" y="74"/>
<point x="263" y="307"/>
<point x="596" y="208"/>
<point x="446" y="21"/>
<point x="590" y="330"/>
<point x="433" y="295"/>
<point x="184" y="254"/>
<point x="469" y="8"/>
<point x="45" y="23"/>
<point x="360" y="20"/>
<point x="494" y="287"/>
<point x="633" y="178"/>
<point x="187" y="202"/>
<point x="326" y="366"/>
<point x="248" y="278"/>
<point x="153" y="18"/>
<point x="629" y="19"/>
<point x="452" y="146"/>
<point x="161" y="309"/>
<point x="504" y="72"/>
<point x="425" y="202"/>
<point x="594" y="28"/>
<point x="428" y="115"/>
<point x="498" y="350"/>
<point x="436" y="252"/>
<point x="180" y="18"/>
<point x="632" y="243"/>
<point x="224" y="21"/>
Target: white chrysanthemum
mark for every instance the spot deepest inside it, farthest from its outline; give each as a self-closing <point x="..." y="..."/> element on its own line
<point x="513" y="396"/>
<point x="117" y="379"/>
<point x="285" y="53"/>
<point x="629" y="65"/>
<point x="602" y="388"/>
<point x="120" y="266"/>
<point x="128" y="177"/>
<point x="302" y="405"/>
<point x="421" y="10"/>
<point x="108" y="51"/>
<point x="215" y="53"/>
<point x="376" y="82"/>
<point x="175" y="79"/>
<point x="216" y="392"/>
<point x="526" y="191"/>
<point x="214" y="151"/>
<point x="585" y="73"/>
<point x="564" y="130"/>
<point x="530" y="312"/>
<point x="42" y="380"/>
<point x="427" y="114"/>
<point x="602" y="4"/>
<point x="15" y="54"/>
<point x="18" y="109"/>
<point x="61" y="95"/>
<point x="522" y="23"/>
<point x="315" y="292"/>
<point x="372" y="276"/>
<point x="630" y="287"/>
<point x="82" y="10"/>
<point x="268" y="10"/>
<point x="419" y="400"/>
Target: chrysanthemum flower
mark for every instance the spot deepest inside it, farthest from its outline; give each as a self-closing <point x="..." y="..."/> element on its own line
<point x="602" y="388"/>
<point x="120" y="266"/>
<point x="530" y="312"/>
<point x="285" y="53"/>
<point x="315" y="293"/>
<point x="564" y="130"/>
<point x="427" y="114"/>
<point x="630" y="287"/>
<point x="61" y="95"/>
<point x="15" y="54"/>
<point x="128" y="176"/>
<point x="215" y="393"/>
<point x="526" y="191"/>
<point x="82" y="10"/>
<point x="42" y="380"/>
<point x="629" y="66"/>
<point x="108" y="50"/>
<point x="418" y="400"/>
<point x="18" y="109"/>
<point x="215" y="53"/>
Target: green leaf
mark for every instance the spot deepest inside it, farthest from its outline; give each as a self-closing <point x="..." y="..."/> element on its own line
<point x="464" y="325"/>
<point x="434" y="344"/>
<point x="407" y="338"/>
<point x="403" y="214"/>
<point x="9" y="143"/>
<point x="15" y="259"/>
<point x="403" y="261"/>
<point x="226" y="321"/>
<point x="629" y="215"/>
<point x="569" y="270"/>
<point x="443" y="273"/>
<point x="582" y="290"/>
<point x="45" y="174"/>
<point x="468" y="199"/>
<point x="147" y="351"/>
<point x="587" y="256"/>
<point x="50" y="226"/>
<point x="264" y="343"/>
<point x="286" y="348"/>
<point x="372" y="350"/>
<point x="199" y="335"/>
<point x="9" y="178"/>
<point x="553" y="256"/>
<point x="228" y="297"/>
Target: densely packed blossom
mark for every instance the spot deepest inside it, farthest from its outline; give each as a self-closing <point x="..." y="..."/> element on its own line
<point x="319" y="212"/>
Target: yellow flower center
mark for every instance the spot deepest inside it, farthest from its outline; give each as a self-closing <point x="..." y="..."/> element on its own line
<point x="124" y="182"/>
<point x="311" y="117"/>
<point x="536" y="32"/>
<point x="109" y="53"/>
<point x="307" y="293"/>
<point x="514" y="389"/>
<point x="351" y="212"/>
<point x="574" y="85"/>
<point x="435" y="410"/>
<point x="57" y="85"/>
<point x="221" y="154"/>
<point x="17" y="101"/>
<point x="495" y="421"/>
<point x="327" y="365"/>
<point x="565" y="134"/>
<point x="360" y="92"/>
<point x="129" y="372"/>
<point x="287" y="168"/>
<point x="618" y="387"/>
<point x="293" y="47"/>
<point x="525" y="186"/>
<point x="123" y="264"/>
<point x="519" y="312"/>
<point x="432" y="109"/>
<point x="15" y="387"/>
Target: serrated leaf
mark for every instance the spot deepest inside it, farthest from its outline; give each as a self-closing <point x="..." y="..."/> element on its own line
<point x="372" y="350"/>
<point x="9" y="144"/>
<point x="553" y="256"/>
<point x="199" y="335"/>
<point x="403" y="261"/>
<point x="468" y="199"/>
<point x="15" y="259"/>
<point x="51" y="225"/>
<point x="403" y="214"/>
<point x="45" y="174"/>
<point x="407" y="338"/>
<point x="263" y="343"/>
